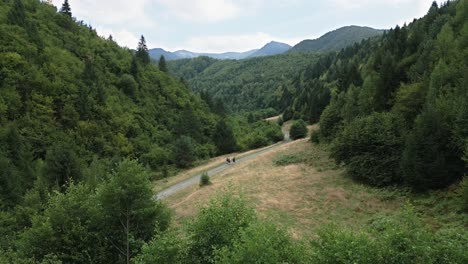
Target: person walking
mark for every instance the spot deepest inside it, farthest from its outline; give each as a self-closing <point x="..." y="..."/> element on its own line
<point x="233" y="159"/>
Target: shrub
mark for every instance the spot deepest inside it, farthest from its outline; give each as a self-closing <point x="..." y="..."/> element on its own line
<point x="218" y="225"/>
<point x="262" y="243"/>
<point x="205" y="179"/>
<point x="370" y="148"/>
<point x="342" y="246"/>
<point x="283" y="160"/>
<point x="165" y="248"/>
<point x="298" y="130"/>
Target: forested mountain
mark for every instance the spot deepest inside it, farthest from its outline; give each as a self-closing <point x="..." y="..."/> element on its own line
<point x="243" y="85"/>
<point x="257" y="83"/>
<point x="398" y="113"/>
<point x="84" y="125"/>
<point x="185" y="54"/>
<point x="272" y="48"/>
<point x="337" y="39"/>
<point x="158" y="52"/>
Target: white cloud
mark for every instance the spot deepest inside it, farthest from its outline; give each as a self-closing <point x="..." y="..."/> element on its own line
<point x="202" y="10"/>
<point x="238" y="43"/>
<point x="210" y="11"/>
<point x="123" y="37"/>
<point x="109" y="12"/>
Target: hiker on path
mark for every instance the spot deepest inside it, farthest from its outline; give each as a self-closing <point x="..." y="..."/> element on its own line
<point x="234" y="160"/>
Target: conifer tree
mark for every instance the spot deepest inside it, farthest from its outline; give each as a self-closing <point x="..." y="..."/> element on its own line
<point x="162" y="64"/>
<point x="224" y="138"/>
<point x="66" y="9"/>
<point x="142" y="51"/>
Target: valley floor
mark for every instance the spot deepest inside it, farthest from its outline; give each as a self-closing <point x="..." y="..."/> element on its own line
<point x="309" y="193"/>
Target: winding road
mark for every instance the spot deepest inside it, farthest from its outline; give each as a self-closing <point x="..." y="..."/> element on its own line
<point x="212" y="172"/>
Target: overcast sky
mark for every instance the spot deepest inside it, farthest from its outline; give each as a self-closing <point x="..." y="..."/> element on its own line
<point x="236" y="25"/>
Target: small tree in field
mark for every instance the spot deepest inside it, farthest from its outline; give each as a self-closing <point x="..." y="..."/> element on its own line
<point x="205" y="179"/>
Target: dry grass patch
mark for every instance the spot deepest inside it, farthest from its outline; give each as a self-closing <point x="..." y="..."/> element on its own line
<point x="300" y="197"/>
<point x="162" y="184"/>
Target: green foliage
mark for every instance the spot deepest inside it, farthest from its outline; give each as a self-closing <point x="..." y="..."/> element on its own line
<point x="62" y="166"/>
<point x="254" y="135"/>
<point x="65" y="9"/>
<point x="17" y="14"/>
<point x="205" y="179"/>
<point x="243" y="85"/>
<point x="184" y="152"/>
<point x="162" y="64"/>
<point x="168" y="247"/>
<point x="218" y="225"/>
<point x="68" y="229"/>
<point x="262" y="243"/>
<point x="342" y="246"/>
<point x="142" y="52"/>
<point x="402" y="238"/>
<point x="298" y="130"/>
<point x="331" y="120"/>
<point x="464" y="193"/>
<point x="370" y="147"/>
<point x="429" y="161"/>
<point x="283" y="160"/>
<point x="224" y="139"/>
<point x="130" y="213"/>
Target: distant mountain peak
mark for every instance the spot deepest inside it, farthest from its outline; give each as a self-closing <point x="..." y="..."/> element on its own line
<point x="271" y="48"/>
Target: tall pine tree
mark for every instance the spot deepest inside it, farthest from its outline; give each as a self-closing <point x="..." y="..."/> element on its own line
<point x="142" y="51"/>
<point x="162" y="64"/>
<point x="66" y="9"/>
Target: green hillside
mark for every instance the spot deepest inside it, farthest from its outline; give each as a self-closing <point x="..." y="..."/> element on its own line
<point x="399" y="104"/>
<point x="337" y="39"/>
<point x="243" y="85"/>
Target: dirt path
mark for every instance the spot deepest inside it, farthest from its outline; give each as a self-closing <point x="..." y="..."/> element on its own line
<point x="212" y="172"/>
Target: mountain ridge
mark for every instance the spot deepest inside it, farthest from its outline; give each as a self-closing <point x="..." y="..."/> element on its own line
<point x="337" y="39"/>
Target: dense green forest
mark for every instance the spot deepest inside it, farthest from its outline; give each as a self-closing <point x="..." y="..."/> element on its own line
<point x="398" y="113"/>
<point x="85" y="125"/>
<point x="243" y="85"/>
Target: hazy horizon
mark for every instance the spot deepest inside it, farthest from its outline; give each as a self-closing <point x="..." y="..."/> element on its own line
<point x="217" y="26"/>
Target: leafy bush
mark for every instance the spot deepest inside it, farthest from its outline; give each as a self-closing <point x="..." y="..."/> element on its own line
<point x="218" y="225"/>
<point x="370" y="148"/>
<point x="164" y="248"/>
<point x="283" y="160"/>
<point x="205" y="179"/>
<point x="298" y="130"/>
<point x="262" y="243"/>
<point x="402" y="238"/>
<point x="342" y="246"/>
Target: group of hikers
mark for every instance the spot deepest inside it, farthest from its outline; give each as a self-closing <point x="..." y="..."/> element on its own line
<point x="229" y="161"/>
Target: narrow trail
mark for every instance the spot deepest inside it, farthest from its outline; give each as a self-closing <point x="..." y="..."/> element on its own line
<point x="212" y="172"/>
